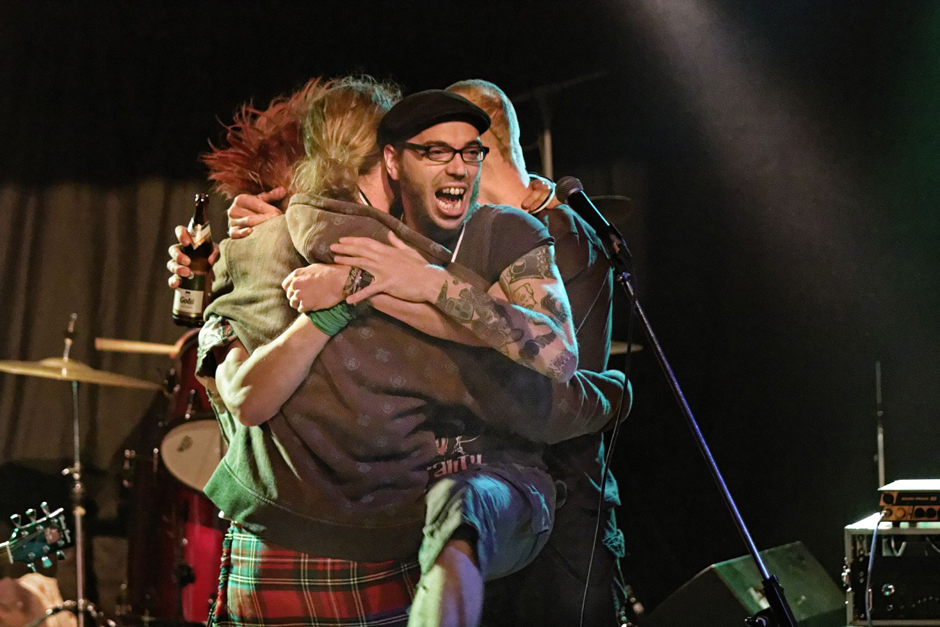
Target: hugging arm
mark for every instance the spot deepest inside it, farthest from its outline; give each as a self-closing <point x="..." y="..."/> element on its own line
<point x="525" y="316"/>
<point x="254" y="386"/>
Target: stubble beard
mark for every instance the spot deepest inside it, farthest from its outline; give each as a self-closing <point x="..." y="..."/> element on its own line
<point x="423" y="223"/>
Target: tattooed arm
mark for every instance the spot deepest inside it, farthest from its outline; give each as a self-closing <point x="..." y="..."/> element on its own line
<point x="320" y="286"/>
<point x="525" y="316"/>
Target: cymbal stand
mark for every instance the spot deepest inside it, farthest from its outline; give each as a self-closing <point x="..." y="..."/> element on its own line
<point x="77" y="496"/>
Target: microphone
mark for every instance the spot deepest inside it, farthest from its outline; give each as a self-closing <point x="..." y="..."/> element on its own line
<point x="570" y="191"/>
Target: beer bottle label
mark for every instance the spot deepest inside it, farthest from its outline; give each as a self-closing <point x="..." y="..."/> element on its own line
<point x="199" y="233"/>
<point x="188" y="300"/>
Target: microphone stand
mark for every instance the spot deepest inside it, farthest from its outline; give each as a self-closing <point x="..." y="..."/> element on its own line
<point x="779" y="613"/>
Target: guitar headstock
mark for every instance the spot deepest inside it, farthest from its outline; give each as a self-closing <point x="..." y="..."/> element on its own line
<point x="35" y="538"/>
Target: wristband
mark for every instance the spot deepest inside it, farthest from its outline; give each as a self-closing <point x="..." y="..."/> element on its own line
<point x="333" y="320"/>
<point x="551" y="193"/>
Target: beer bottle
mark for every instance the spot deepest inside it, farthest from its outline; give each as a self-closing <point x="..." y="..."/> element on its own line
<point x="192" y="296"/>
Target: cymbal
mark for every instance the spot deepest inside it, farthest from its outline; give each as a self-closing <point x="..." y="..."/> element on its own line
<point x="72" y="370"/>
<point x="620" y="348"/>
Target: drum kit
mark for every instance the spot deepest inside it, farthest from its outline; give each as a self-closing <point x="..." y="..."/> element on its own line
<point x="175" y="535"/>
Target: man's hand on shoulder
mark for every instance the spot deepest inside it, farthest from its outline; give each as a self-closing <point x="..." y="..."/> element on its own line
<point x="248" y="211"/>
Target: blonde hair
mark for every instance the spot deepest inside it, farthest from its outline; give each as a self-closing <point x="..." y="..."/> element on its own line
<point x="339" y="134"/>
<point x="504" y="123"/>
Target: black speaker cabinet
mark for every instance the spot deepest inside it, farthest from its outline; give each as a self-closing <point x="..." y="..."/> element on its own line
<point x="724" y="594"/>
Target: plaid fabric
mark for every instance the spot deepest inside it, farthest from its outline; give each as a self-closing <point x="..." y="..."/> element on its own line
<point x="262" y="584"/>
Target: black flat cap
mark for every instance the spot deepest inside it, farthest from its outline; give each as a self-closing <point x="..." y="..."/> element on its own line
<point x="425" y="109"/>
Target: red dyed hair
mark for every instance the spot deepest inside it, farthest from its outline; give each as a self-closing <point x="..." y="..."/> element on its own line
<point x="262" y="147"/>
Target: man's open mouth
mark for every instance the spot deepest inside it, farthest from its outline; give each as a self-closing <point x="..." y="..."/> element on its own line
<point x="450" y="200"/>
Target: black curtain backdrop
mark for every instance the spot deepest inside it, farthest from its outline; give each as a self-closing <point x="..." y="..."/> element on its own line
<point x="781" y="158"/>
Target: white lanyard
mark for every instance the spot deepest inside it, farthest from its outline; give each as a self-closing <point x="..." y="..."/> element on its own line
<point x="453" y="258"/>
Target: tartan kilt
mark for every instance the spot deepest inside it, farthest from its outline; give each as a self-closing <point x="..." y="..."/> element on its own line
<point x="262" y="584"/>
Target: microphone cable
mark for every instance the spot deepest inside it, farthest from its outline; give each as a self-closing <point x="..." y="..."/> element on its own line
<point x="608" y="455"/>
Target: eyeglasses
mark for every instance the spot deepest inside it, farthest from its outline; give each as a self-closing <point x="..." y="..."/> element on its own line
<point x="442" y="153"/>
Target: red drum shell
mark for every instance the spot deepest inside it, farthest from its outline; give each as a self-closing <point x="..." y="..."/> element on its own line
<point x="175" y="532"/>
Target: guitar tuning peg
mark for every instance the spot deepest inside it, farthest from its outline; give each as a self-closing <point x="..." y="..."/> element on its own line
<point x="16" y="520"/>
<point x="45" y="508"/>
<point x="31" y="513"/>
<point x="32" y="566"/>
<point x="60" y="555"/>
<point x="46" y="549"/>
<point x="46" y="562"/>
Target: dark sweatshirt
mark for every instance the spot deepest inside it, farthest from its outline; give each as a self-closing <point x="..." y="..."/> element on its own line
<point x="341" y="470"/>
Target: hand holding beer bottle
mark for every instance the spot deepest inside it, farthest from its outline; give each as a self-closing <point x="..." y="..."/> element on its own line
<point x="245" y="212"/>
<point x="192" y="295"/>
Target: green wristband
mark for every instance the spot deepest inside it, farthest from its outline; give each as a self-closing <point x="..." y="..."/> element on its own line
<point x="333" y="320"/>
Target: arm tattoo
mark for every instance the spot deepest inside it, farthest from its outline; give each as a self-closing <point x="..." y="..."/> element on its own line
<point x="457" y="308"/>
<point x="524" y="296"/>
<point x="487" y="318"/>
<point x="531" y="348"/>
<point x="555" y="308"/>
<point x="535" y="264"/>
<point x="565" y="362"/>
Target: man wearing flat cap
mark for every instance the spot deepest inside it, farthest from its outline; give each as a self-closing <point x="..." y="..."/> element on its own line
<point x="499" y="514"/>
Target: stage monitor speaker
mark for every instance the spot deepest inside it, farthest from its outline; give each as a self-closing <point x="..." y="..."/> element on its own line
<point x="724" y="594"/>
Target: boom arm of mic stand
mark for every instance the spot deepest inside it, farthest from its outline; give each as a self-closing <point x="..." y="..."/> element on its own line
<point x="621" y="262"/>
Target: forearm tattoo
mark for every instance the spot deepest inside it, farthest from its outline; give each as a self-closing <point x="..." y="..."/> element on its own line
<point x="531" y="329"/>
<point x="487" y="318"/>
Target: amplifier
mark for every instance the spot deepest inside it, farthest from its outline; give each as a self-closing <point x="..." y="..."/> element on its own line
<point x="905" y="577"/>
<point x="911" y="500"/>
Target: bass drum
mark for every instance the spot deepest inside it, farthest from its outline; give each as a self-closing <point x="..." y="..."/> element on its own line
<point x="175" y="546"/>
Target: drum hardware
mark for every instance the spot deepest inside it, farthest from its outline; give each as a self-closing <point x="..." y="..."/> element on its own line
<point x="170" y="385"/>
<point x="175" y="537"/>
<point x="76" y="372"/>
<point x="127" y="473"/>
